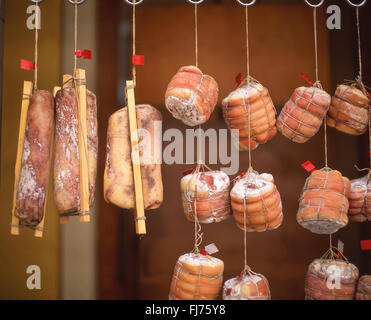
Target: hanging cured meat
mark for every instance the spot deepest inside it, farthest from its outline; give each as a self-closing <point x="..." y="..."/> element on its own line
<point x="323" y="205"/>
<point x="247" y="287"/>
<point x="118" y="174"/>
<point x="360" y="200"/>
<point x="66" y="155"/>
<point x="197" y="277"/>
<point x="349" y="110"/>
<point x="329" y="279"/>
<point x="302" y="116"/>
<point x="364" y="288"/>
<point x="208" y="193"/>
<point x="191" y="96"/>
<point x="256" y="203"/>
<point x="33" y="180"/>
<point x="254" y="99"/>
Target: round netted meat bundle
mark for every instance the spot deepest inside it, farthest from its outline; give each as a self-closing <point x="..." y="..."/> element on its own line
<point x="256" y="203"/>
<point x="349" y="110"/>
<point x="364" y="288"/>
<point x="191" y="96"/>
<point x="360" y="200"/>
<point x="323" y="205"/>
<point x="197" y="277"/>
<point x="247" y="287"/>
<point x="250" y="98"/>
<point x="329" y="279"/>
<point x="206" y="194"/>
<point x="302" y="116"/>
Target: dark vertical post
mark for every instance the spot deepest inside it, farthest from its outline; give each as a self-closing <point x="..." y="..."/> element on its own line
<point x="2" y="23"/>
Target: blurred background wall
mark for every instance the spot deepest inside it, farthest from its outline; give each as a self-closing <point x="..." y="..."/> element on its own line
<point x="105" y="259"/>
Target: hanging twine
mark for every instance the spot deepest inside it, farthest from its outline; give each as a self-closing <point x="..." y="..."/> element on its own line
<point x="359" y="79"/>
<point x="248" y="78"/>
<point x="134" y="71"/>
<point x="317" y="84"/>
<point x="196" y="35"/>
<point x="333" y="253"/>
<point x="76" y="26"/>
<point x="36" y="45"/>
<point x="197" y="226"/>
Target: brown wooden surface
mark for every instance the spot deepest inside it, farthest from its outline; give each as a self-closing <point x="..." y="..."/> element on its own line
<point x="281" y="47"/>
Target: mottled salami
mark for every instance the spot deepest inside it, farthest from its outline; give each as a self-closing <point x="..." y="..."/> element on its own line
<point x="33" y="181"/>
<point x="66" y="156"/>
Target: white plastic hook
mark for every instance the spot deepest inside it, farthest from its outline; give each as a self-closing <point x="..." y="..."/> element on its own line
<point x="195" y="1"/>
<point x="246" y="4"/>
<point x="357" y="5"/>
<point x="314" y="5"/>
<point x="35" y="1"/>
<point x="77" y="2"/>
<point x="136" y="2"/>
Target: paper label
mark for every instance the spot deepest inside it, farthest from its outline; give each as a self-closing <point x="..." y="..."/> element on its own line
<point x="27" y="65"/>
<point x="86" y="54"/>
<point x="211" y="249"/>
<point x="309" y="166"/>
<point x="138" y="60"/>
<point x="340" y="246"/>
<point x="239" y="79"/>
<point x="366" y="245"/>
<point x="306" y="79"/>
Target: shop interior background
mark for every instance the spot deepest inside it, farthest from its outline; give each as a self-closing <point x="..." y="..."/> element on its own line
<point x="104" y="259"/>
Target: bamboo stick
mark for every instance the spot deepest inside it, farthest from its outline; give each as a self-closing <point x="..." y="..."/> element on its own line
<point x="140" y="224"/>
<point x="83" y="152"/>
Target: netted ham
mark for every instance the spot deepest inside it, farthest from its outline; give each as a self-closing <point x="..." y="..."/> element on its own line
<point x="302" y="116"/>
<point x="247" y="287"/>
<point x="329" y="279"/>
<point x="360" y="200"/>
<point x="323" y="205"/>
<point x="256" y="203"/>
<point x="191" y="96"/>
<point x="66" y="155"/>
<point x="197" y="277"/>
<point x="364" y="288"/>
<point x="349" y="110"/>
<point x="250" y="98"/>
<point x="206" y="194"/>
<point x="33" y="180"/>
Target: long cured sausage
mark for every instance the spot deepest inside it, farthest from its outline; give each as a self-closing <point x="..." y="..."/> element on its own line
<point x="118" y="174"/>
<point x="66" y="156"/>
<point x="35" y="167"/>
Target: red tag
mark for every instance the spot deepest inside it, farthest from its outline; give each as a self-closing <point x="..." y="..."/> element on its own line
<point x="369" y="94"/>
<point x="309" y="166"/>
<point x="86" y="54"/>
<point x="27" y="65"/>
<point x="239" y="79"/>
<point x="306" y="78"/>
<point x="242" y="174"/>
<point x="366" y="245"/>
<point x="340" y="255"/>
<point x="239" y="276"/>
<point x="203" y="252"/>
<point x="138" y="60"/>
<point x="187" y="172"/>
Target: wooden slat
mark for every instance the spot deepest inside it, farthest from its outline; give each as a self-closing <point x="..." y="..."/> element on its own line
<point x="27" y="92"/>
<point x="140" y="224"/>
<point x="83" y="145"/>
